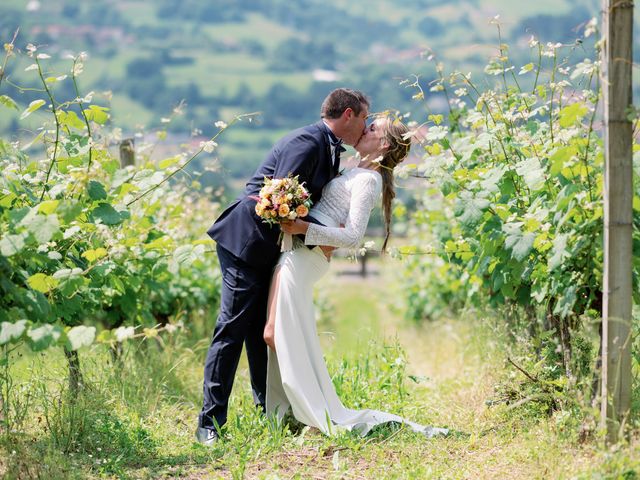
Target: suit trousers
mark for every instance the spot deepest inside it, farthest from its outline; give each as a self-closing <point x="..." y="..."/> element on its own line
<point x="243" y="313"/>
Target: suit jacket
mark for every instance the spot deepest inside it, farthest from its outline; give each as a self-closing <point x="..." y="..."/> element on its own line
<point x="304" y="152"/>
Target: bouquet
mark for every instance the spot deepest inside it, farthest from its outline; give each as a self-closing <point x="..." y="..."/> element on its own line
<point x="282" y="199"/>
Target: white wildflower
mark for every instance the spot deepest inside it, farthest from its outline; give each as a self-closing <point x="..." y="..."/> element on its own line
<point x="208" y="146"/>
<point x="220" y="124"/>
<point x="77" y="69"/>
<point x="591" y="27"/>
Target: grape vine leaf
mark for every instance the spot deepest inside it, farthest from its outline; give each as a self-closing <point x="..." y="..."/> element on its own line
<point x="518" y="242"/>
<point x="108" y="215"/>
<point x="469" y="208"/>
<point x="11" y="244"/>
<point x="10" y="332"/>
<point x="42" y="337"/>
<point x="80" y="336"/>
<point x="96" y="190"/>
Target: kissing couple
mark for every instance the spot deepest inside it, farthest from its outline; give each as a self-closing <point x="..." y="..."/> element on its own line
<point x="267" y="295"/>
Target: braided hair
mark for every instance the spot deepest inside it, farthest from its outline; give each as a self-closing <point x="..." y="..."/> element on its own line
<point x="394" y="133"/>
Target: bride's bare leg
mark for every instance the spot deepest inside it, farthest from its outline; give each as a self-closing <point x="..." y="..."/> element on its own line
<point x="270" y="327"/>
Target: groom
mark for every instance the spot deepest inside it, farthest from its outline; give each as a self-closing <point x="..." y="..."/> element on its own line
<point x="248" y="251"/>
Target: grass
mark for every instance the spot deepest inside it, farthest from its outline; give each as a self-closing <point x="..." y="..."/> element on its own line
<point x="136" y="419"/>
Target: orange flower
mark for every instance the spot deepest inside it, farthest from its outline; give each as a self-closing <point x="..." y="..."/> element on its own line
<point x="283" y="211"/>
<point x="302" y="211"/>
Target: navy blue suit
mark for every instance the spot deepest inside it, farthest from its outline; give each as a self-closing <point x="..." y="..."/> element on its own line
<point x="248" y="251"/>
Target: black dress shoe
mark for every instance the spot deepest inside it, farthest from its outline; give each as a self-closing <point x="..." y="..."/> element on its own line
<point x="206" y="436"/>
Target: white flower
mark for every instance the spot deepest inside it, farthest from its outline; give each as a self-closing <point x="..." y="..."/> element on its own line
<point x="43" y="56"/>
<point x="461" y="92"/>
<point x="533" y="42"/>
<point x="33" y="66"/>
<point x="591" y="27"/>
<point x="165" y="120"/>
<point x="370" y="244"/>
<point x="170" y="327"/>
<point x="77" y="69"/>
<point x="437" y="132"/>
<point x="220" y="124"/>
<point x="208" y="146"/>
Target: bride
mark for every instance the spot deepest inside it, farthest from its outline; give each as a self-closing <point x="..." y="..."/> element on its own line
<point x="297" y="376"/>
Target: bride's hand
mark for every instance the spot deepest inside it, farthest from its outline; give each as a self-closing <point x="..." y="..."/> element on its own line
<point x="328" y="251"/>
<point x="294" y="227"/>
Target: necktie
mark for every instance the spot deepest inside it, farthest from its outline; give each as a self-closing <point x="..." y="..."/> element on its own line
<point x="337" y="148"/>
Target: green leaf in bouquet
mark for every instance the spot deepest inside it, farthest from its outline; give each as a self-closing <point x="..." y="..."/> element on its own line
<point x="80" y="336"/>
<point x="12" y="332"/>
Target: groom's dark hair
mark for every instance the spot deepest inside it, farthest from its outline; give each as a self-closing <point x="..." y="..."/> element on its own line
<point x="340" y="99"/>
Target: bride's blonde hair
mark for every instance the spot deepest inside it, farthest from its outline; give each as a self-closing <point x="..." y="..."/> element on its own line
<point x="398" y="148"/>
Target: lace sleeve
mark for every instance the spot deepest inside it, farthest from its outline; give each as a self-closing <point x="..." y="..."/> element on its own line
<point x="365" y="191"/>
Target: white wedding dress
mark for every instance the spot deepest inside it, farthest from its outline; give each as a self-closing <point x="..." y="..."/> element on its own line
<point x="297" y="375"/>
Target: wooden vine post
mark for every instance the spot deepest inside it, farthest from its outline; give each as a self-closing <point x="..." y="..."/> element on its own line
<point x="617" y="33"/>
